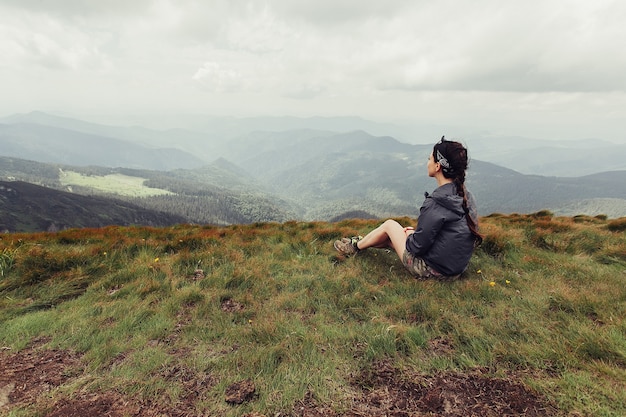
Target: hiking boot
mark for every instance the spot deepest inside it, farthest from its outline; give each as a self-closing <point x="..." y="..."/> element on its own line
<point x="347" y="246"/>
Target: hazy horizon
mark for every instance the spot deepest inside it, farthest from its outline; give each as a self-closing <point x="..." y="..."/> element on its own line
<point x="549" y="70"/>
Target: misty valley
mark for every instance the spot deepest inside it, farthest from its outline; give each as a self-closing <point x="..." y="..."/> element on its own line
<point x="226" y="174"/>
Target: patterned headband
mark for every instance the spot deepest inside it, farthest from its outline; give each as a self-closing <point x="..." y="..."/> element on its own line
<point x="442" y="160"/>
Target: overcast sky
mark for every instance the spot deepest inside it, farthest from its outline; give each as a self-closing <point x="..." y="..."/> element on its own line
<point x="553" y="69"/>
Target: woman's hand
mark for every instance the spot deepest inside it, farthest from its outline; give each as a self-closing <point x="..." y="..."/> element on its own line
<point x="409" y="230"/>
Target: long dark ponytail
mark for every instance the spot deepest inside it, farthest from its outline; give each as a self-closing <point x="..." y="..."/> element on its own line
<point x="452" y="156"/>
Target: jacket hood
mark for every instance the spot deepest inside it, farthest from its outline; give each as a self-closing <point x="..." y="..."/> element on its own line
<point x="447" y="197"/>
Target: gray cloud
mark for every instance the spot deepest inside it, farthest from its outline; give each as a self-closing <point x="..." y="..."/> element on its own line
<point x="344" y="56"/>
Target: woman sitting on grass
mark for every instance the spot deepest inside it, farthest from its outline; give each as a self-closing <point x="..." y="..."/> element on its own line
<point x="442" y="243"/>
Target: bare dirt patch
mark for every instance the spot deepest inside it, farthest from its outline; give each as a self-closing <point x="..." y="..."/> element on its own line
<point x="26" y="375"/>
<point x="388" y="392"/>
<point x="240" y="392"/>
<point x="230" y="306"/>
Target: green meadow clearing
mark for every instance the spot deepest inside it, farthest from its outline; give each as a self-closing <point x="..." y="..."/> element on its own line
<point x="121" y="184"/>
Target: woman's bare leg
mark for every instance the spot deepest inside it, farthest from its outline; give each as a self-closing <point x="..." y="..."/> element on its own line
<point x="390" y="234"/>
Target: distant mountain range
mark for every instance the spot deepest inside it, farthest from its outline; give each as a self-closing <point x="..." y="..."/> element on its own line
<point x="572" y="158"/>
<point x="58" y="145"/>
<point x="191" y="141"/>
<point x="304" y="173"/>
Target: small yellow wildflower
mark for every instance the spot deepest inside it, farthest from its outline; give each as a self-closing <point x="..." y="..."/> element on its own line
<point x="492" y="284"/>
<point x="479" y="272"/>
<point x="105" y="254"/>
<point x="156" y="259"/>
<point x="507" y="282"/>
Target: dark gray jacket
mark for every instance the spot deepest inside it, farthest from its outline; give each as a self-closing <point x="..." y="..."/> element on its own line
<point x="442" y="237"/>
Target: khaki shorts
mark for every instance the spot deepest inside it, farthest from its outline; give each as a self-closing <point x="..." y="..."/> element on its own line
<point x="418" y="268"/>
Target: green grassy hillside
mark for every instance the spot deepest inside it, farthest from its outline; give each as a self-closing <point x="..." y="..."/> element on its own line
<point x="26" y="207"/>
<point x="266" y="320"/>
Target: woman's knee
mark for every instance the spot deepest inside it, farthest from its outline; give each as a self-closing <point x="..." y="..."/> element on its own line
<point x="391" y="224"/>
<point x="392" y="227"/>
